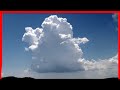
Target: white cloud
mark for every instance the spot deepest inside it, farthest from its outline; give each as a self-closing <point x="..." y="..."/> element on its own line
<point x="54" y="43"/>
<point x="26" y="70"/>
<point x="56" y="50"/>
<point x="100" y="64"/>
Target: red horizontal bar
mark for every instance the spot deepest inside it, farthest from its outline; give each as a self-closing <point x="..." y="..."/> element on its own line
<point x="58" y="12"/>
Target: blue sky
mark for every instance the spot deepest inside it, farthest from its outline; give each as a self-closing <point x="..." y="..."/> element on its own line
<point x="98" y="28"/>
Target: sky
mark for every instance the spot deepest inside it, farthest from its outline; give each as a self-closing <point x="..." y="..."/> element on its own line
<point x="99" y="29"/>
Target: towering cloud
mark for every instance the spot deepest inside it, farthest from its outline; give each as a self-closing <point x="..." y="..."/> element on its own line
<point x="54" y="49"/>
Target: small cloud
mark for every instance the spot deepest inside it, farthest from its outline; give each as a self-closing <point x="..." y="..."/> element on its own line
<point x="26" y="49"/>
<point x="115" y="19"/>
<point x="26" y="70"/>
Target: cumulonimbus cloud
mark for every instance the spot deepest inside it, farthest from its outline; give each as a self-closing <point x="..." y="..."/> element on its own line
<point x="54" y="49"/>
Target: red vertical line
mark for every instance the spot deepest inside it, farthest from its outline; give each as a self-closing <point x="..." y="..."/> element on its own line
<point x="118" y="45"/>
<point x="0" y="44"/>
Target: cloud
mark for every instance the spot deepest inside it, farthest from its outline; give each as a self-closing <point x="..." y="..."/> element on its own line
<point x="26" y="70"/>
<point x="115" y="19"/>
<point x="54" y="49"/>
<point x="105" y="64"/>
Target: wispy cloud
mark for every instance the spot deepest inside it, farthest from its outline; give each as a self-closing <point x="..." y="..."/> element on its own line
<point x="115" y="19"/>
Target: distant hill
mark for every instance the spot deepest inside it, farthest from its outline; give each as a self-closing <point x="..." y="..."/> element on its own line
<point x="15" y="78"/>
<point x="29" y="78"/>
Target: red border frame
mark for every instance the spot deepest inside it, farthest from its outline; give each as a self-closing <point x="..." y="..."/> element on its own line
<point x="58" y="12"/>
<point x="1" y="44"/>
<point x="118" y="45"/>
